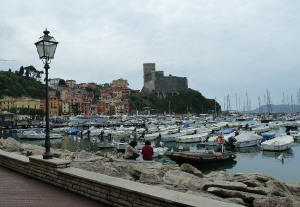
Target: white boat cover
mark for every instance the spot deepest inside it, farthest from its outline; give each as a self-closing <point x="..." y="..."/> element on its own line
<point x="247" y="137"/>
<point x="281" y="140"/>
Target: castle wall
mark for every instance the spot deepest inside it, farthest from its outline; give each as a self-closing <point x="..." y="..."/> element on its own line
<point x="155" y="81"/>
<point x="171" y="84"/>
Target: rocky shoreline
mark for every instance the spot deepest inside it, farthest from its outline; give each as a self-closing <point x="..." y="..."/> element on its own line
<point x="242" y="188"/>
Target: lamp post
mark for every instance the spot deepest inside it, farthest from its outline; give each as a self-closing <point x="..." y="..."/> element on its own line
<point x="46" y="46"/>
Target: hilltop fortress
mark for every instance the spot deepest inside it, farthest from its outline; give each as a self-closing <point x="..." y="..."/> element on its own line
<point x="155" y="81"/>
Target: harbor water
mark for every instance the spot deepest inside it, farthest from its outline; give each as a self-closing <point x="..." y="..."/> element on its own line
<point x="249" y="160"/>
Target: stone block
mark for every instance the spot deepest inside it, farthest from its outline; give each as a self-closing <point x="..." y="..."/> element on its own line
<point x="123" y="202"/>
<point x="117" y="205"/>
<point x="114" y="194"/>
<point x="137" y="205"/>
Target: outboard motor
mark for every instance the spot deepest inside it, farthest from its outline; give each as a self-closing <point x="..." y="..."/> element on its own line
<point x="231" y="142"/>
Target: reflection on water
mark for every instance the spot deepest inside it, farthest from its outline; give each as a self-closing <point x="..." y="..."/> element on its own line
<point x="76" y="143"/>
<point x="251" y="150"/>
<point x="286" y="154"/>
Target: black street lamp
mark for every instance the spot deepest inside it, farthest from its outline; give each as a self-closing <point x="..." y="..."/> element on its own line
<point x="46" y="47"/>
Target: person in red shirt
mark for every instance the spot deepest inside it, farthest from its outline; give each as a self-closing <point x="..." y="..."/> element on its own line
<point x="147" y="151"/>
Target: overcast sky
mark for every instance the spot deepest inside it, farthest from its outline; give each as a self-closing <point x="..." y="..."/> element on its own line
<point x="221" y="46"/>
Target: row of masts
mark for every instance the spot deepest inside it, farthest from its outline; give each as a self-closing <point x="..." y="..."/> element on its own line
<point x="243" y="104"/>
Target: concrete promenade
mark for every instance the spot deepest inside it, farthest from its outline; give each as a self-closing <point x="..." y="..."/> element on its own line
<point x="17" y="190"/>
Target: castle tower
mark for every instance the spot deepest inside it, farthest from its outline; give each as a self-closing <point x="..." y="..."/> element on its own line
<point x="149" y="77"/>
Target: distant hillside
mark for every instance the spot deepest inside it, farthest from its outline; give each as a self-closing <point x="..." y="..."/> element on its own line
<point x="278" y="109"/>
<point x="12" y="84"/>
<point x="190" y="101"/>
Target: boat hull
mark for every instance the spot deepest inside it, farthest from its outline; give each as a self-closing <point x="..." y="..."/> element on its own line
<point x="187" y="157"/>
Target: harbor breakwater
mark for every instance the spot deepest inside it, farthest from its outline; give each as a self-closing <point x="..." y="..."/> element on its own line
<point x="238" y="189"/>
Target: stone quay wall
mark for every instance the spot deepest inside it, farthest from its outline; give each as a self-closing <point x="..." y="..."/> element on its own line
<point x="106" y="189"/>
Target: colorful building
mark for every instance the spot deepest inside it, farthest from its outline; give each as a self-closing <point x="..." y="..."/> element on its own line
<point x="8" y="103"/>
<point x="54" y="106"/>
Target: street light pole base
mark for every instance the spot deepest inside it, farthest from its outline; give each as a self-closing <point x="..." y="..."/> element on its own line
<point x="47" y="155"/>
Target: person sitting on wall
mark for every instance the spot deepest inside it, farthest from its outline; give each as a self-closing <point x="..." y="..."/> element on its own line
<point x="131" y="153"/>
<point x="147" y="151"/>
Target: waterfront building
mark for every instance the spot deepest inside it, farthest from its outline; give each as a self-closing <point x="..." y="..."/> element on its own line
<point x="8" y="103"/>
<point x="65" y="108"/>
<point x="54" y="106"/>
<point x="26" y="102"/>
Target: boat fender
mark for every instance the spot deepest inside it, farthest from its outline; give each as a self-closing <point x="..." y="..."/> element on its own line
<point x="220" y="139"/>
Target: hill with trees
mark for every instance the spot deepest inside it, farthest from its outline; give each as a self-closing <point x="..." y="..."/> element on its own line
<point x="25" y="82"/>
<point x="189" y="101"/>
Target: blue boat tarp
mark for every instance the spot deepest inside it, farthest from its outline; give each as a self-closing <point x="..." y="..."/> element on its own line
<point x="74" y="131"/>
<point x="266" y="136"/>
<point x="186" y="125"/>
<point x="225" y="131"/>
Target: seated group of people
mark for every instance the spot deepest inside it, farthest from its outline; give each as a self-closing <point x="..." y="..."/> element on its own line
<point x="132" y="153"/>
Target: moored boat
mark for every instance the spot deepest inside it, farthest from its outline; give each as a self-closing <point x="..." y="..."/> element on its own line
<point x="295" y="135"/>
<point x="278" y="143"/>
<point x="247" y="140"/>
<point x="200" y="157"/>
<point x="192" y="138"/>
<point x="267" y="136"/>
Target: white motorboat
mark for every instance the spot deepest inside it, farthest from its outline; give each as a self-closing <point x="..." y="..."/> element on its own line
<point x="247" y="140"/>
<point x="280" y="143"/>
<point x="121" y="146"/>
<point x="93" y="131"/>
<point x="155" y="135"/>
<point x="159" y="151"/>
<point x="211" y="141"/>
<point x="295" y="135"/>
<point x="192" y="138"/>
<point x="32" y="134"/>
<point x="261" y="129"/>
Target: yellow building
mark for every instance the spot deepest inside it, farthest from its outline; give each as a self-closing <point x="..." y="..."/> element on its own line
<point x="119" y="108"/>
<point x="120" y="83"/>
<point x="29" y="103"/>
<point x="7" y="103"/>
<point x="24" y="102"/>
<point x="65" y="108"/>
<point x="54" y="106"/>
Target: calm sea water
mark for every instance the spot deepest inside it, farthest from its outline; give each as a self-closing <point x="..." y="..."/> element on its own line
<point x="249" y="160"/>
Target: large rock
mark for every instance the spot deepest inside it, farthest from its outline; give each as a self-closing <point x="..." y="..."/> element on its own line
<point x="217" y="175"/>
<point x="102" y="167"/>
<point x="273" y="202"/>
<point x="185" y="167"/>
<point x="10" y="145"/>
<point x="165" y="168"/>
<point x="226" y="193"/>
<point x="295" y="190"/>
<point x="226" y="185"/>
<point x="261" y="184"/>
<point x="150" y="178"/>
<point x="177" y="177"/>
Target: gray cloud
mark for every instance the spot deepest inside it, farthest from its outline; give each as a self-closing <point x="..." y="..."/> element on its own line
<point x="223" y="47"/>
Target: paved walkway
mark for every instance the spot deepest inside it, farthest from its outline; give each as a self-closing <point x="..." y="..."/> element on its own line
<point x="17" y="190"/>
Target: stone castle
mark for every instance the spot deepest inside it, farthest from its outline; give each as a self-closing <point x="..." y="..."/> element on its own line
<point x="155" y="81"/>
